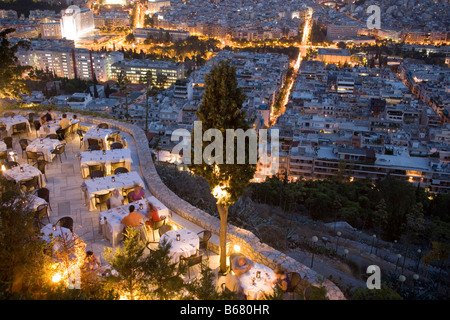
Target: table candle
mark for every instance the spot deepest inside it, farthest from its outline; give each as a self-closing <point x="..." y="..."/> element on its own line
<point x="178" y="237"/>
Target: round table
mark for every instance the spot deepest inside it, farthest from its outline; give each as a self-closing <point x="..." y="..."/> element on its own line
<point x="262" y="286"/>
<point x="59" y="235"/>
<point x="187" y="245"/>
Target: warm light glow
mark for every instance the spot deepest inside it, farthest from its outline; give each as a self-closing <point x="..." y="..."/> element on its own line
<point x="175" y="228"/>
<point x="219" y="192"/>
<point x="56" y="278"/>
<point x="237" y="248"/>
<point x="3" y="167"/>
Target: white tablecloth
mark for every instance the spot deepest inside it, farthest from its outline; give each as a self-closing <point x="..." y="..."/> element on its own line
<point x="3" y="146"/>
<point x="256" y="291"/>
<point x="51" y="127"/>
<point x="112" y="228"/>
<point x="187" y="246"/>
<point x="35" y="201"/>
<point x="104" y="185"/>
<point x="46" y="147"/>
<point x="59" y="236"/>
<point x="97" y="134"/>
<point x="28" y="172"/>
<point x="89" y="158"/>
<point x="10" y="122"/>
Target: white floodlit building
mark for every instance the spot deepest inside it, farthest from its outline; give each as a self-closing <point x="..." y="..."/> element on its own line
<point x="76" y="22"/>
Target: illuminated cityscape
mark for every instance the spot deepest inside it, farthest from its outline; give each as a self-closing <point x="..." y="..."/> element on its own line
<point x="99" y="101"/>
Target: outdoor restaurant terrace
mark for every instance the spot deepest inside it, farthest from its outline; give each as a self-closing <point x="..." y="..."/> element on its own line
<point x="81" y="166"/>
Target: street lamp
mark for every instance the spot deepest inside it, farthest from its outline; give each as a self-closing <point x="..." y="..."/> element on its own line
<point x="373" y="241"/>
<point x="399" y="256"/>
<point x="418" y="259"/>
<point x="337" y="241"/>
<point x="345" y="253"/>
<point x="314" y="240"/>
<point x="402" y="279"/>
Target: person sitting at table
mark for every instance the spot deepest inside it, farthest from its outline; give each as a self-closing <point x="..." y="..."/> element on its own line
<point x="43" y="120"/>
<point x="137" y="194"/>
<point x="281" y="279"/>
<point x="133" y="219"/>
<point x="116" y="199"/>
<point x="153" y="214"/>
<point x="241" y="265"/>
<point x="91" y="262"/>
<point x="48" y="116"/>
<point x="64" y="123"/>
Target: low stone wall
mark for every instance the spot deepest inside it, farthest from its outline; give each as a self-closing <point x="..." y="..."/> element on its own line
<point x="250" y="245"/>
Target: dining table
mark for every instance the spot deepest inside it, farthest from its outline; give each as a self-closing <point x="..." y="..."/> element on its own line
<point x="3" y="146"/>
<point x="184" y="243"/>
<point x="46" y="146"/>
<point x="254" y="287"/>
<point x="10" y="122"/>
<point x="23" y="172"/>
<point x="105" y="158"/>
<point x="98" y="134"/>
<point x="103" y="185"/>
<point x="110" y="220"/>
<point x="50" y="127"/>
<point x="56" y="234"/>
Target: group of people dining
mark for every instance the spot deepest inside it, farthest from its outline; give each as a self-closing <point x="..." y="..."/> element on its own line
<point x="64" y="122"/>
<point x="134" y="218"/>
<point x="240" y="265"/>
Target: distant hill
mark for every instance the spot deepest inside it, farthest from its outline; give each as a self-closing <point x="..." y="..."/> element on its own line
<point x="24" y="6"/>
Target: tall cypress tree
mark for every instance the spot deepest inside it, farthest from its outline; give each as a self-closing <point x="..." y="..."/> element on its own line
<point x="221" y="109"/>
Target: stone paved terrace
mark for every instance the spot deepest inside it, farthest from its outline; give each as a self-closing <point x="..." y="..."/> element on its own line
<point x="66" y="199"/>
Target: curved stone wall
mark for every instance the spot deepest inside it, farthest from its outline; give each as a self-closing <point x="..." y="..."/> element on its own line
<point x="250" y="245"/>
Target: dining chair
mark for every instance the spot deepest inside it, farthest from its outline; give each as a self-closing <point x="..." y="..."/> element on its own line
<point x="61" y="133"/>
<point x="40" y="213"/>
<point x="163" y="229"/>
<point x="80" y="134"/>
<point x="41" y="165"/>
<point x="19" y="128"/>
<point x="103" y="126"/>
<point x="94" y="147"/>
<point x="11" y="164"/>
<point x="294" y="282"/>
<point x="68" y="132"/>
<point x="100" y="199"/>
<point x="29" y="184"/>
<point x="4" y="155"/>
<point x="65" y="222"/>
<point x="97" y="174"/>
<point x="204" y="240"/>
<point x="95" y="167"/>
<point x="155" y="225"/>
<point x="37" y="126"/>
<point x="34" y="156"/>
<point x="2" y="131"/>
<point x="115" y="165"/>
<point x="9" y="114"/>
<point x="92" y="142"/>
<point x="191" y="261"/>
<point x="120" y="170"/>
<point x="9" y="142"/>
<point x="44" y="193"/>
<point x="24" y="144"/>
<point x="116" y="145"/>
<point x="53" y="136"/>
<point x="59" y="150"/>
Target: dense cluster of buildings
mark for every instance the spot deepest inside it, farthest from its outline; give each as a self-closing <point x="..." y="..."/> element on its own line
<point x="360" y="123"/>
<point x="239" y="19"/>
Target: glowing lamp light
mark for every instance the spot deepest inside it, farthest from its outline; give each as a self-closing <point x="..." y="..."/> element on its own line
<point x="219" y="192"/>
<point x="56" y="278"/>
<point x="3" y="167"/>
<point x="237" y="248"/>
<point x="175" y="228"/>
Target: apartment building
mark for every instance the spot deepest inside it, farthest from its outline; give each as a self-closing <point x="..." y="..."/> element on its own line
<point x="51" y="30"/>
<point x="76" y="22"/>
<point x="136" y="70"/>
<point x="61" y="58"/>
<point x="160" y="34"/>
